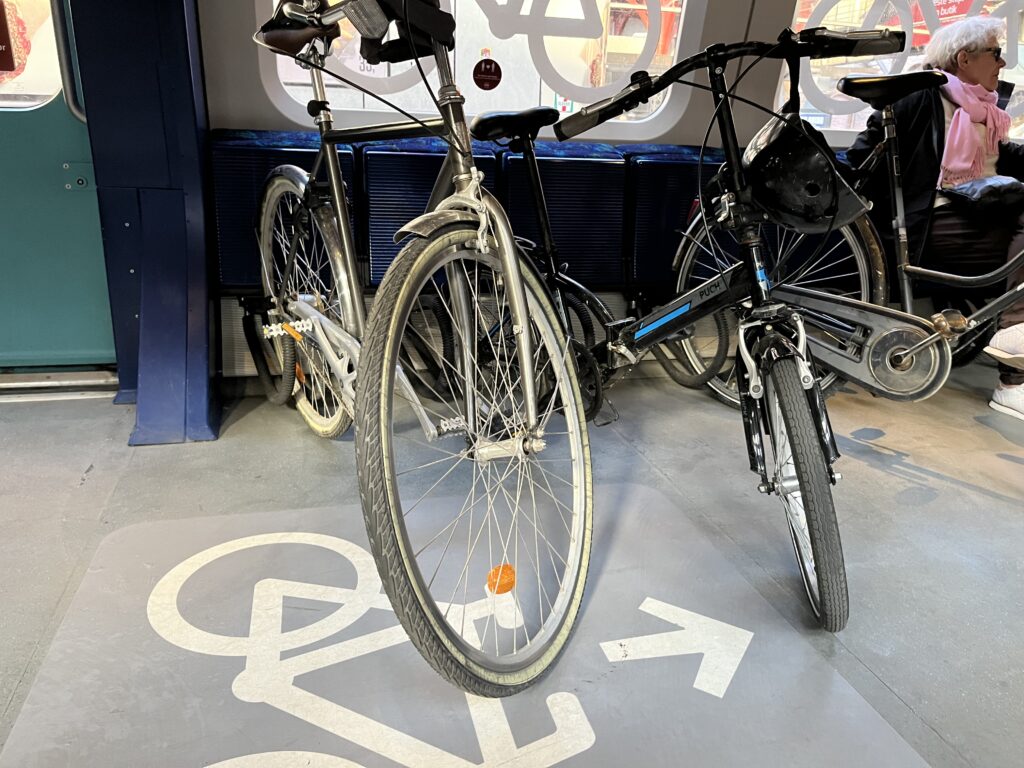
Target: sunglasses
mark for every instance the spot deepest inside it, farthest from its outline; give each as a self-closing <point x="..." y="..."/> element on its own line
<point x="996" y="52"/>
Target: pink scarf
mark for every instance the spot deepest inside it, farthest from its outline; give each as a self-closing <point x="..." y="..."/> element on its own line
<point x="964" y="157"/>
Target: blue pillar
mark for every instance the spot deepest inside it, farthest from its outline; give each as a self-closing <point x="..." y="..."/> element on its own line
<point x="141" y="72"/>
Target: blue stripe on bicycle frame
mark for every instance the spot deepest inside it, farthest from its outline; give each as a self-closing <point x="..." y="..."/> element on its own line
<point x="661" y="321"/>
<point x="762" y="277"/>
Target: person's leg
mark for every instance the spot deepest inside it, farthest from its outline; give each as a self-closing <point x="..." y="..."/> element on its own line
<point x="1007" y="345"/>
<point x="1014" y="314"/>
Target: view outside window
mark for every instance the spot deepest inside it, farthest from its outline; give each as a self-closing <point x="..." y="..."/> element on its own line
<point x="562" y="53"/>
<point x="29" y="73"/>
<point x="826" y="108"/>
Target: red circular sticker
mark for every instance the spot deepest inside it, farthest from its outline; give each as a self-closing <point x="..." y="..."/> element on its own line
<point x="487" y="74"/>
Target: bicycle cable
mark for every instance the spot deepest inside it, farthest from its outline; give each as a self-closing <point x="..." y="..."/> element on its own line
<point x="306" y="63"/>
<point x="423" y="77"/>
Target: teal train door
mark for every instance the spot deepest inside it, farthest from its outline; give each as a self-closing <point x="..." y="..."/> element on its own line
<point x="54" y="305"/>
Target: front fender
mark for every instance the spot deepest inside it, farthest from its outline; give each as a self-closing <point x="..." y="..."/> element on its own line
<point x="773" y="347"/>
<point x="428" y="223"/>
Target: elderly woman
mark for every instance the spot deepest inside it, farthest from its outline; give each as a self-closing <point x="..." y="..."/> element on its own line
<point x="947" y="137"/>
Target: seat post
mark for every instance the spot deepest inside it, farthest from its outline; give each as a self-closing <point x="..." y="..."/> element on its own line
<point x="899" y="221"/>
<point x="539" y="203"/>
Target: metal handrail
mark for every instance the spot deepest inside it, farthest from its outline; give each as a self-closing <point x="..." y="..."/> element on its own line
<point x="65" y="60"/>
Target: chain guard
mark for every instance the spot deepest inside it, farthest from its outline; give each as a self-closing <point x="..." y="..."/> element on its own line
<point x="879" y="334"/>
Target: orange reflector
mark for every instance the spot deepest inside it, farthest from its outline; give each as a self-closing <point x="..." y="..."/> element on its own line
<point x="291" y="331"/>
<point x="299" y="374"/>
<point x="501" y="579"/>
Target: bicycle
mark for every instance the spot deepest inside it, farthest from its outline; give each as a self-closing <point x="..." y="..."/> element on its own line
<point x="304" y="330"/>
<point x="949" y="327"/>
<point x="779" y="394"/>
<point x="509" y="407"/>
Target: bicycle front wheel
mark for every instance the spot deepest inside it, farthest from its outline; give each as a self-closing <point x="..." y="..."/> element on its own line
<point x="849" y="263"/>
<point x="800" y="479"/>
<point x="481" y="529"/>
<point x="314" y="278"/>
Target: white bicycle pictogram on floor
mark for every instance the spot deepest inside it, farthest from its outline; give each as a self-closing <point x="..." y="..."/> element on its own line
<point x="270" y="679"/>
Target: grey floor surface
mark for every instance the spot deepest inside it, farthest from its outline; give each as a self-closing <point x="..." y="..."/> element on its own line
<point x="931" y="511"/>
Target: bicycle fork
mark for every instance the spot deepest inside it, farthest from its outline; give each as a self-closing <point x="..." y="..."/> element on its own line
<point x="511" y="280"/>
<point x="760" y="345"/>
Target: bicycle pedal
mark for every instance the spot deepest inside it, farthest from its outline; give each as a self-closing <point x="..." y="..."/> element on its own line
<point x="295" y="329"/>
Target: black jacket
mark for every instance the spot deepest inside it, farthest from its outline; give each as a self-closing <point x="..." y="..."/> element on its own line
<point x="921" y="133"/>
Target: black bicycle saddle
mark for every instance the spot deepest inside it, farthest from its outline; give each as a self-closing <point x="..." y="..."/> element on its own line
<point x="881" y="91"/>
<point x="491" y="126"/>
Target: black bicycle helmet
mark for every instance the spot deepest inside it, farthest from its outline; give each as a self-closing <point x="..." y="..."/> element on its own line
<point x="793" y="177"/>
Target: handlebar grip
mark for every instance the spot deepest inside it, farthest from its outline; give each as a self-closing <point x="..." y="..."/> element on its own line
<point x="601" y="111"/>
<point x="825" y="44"/>
<point x="894" y="42"/>
<point x="576" y="124"/>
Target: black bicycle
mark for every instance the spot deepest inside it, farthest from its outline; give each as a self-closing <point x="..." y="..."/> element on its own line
<point x="778" y="391"/>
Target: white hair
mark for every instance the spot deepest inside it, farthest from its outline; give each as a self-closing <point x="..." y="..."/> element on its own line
<point x="971" y="35"/>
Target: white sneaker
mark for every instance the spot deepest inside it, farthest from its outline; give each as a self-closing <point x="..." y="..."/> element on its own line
<point x="1007" y="346"/>
<point x="1009" y="400"/>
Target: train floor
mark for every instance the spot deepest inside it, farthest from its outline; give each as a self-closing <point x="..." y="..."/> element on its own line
<point x="184" y="605"/>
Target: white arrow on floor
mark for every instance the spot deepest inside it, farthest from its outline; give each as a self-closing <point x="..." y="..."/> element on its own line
<point x="723" y="645"/>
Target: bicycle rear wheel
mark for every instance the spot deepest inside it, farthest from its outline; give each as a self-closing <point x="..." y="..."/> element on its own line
<point x="481" y="532"/>
<point x="800" y="479"/>
<point x="849" y="264"/>
<point x="284" y="219"/>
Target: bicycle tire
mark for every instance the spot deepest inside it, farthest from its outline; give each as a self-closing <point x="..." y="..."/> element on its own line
<point x="800" y="478"/>
<point x="277" y="385"/>
<point x="673" y="357"/>
<point x="314" y="279"/>
<point x="390" y="439"/>
<point x="867" y="283"/>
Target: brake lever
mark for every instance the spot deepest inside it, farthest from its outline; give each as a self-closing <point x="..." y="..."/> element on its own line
<point x="296" y="12"/>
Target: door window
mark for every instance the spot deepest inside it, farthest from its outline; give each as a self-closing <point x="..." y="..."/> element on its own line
<point x="29" y="72"/>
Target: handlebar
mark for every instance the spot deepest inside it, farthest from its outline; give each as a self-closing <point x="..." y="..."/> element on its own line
<point x="814" y="43"/>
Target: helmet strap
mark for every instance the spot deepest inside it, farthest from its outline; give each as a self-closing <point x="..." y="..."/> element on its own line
<point x="792" y="106"/>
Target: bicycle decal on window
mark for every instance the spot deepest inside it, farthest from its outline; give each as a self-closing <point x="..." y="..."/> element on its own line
<point x="919" y="18"/>
<point x="582" y="50"/>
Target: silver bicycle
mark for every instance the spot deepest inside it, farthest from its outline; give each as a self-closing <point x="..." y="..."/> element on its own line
<point x="304" y="330"/>
<point x="471" y="439"/>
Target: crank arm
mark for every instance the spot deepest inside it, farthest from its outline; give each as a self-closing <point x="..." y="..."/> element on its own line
<point x="875" y="338"/>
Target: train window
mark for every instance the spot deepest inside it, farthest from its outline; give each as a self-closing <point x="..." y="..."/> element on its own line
<point x="562" y="53"/>
<point x="829" y="110"/>
<point x="29" y="72"/>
